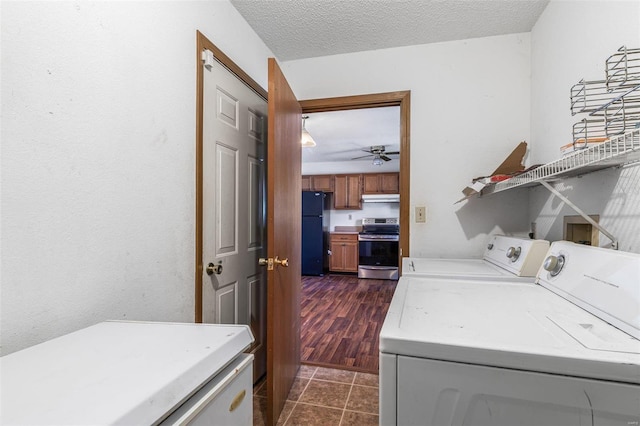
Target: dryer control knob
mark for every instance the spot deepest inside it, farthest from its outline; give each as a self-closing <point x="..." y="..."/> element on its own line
<point x="553" y="264"/>
<point x="513" y="253"/>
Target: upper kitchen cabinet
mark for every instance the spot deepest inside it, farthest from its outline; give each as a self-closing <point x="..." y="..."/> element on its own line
<point x="317" y="183"/>
<point x="306" y="183"/>
<point x="381" y="183"/>
<point x="347" y="193"/>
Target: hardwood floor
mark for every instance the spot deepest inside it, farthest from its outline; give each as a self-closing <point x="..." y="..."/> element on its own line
<point x="341" y="320"/>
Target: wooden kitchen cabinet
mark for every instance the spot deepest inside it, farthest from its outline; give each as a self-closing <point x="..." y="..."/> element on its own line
<point x="347" y="193"/>
<point x="344" y="252"/>
<point x="381" y="183"/>
<point x="306" y="183"/>
<point x="322" y="183"/>
<point x="317" y="183"/>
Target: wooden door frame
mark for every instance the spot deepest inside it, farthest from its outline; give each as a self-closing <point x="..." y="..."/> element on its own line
<point x="203" y="43"/>
<point x="401" y="99"/>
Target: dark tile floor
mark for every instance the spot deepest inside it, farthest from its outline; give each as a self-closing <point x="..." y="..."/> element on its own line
<point x="325" y="396"/>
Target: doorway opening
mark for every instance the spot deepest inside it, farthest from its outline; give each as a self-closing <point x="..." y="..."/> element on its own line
<point x="342" y="314"/>
<point x="578" y="230"/>
<point x="401" y="99"/>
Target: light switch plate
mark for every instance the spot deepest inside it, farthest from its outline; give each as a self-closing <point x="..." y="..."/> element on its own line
<point x="421" y="214"/>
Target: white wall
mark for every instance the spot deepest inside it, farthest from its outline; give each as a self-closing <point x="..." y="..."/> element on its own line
<point x="354" y="217"/>
<point x="98" y="159"/>
<point x="561" y="55"/>
<point x="469" y="108"/>
<point x="354" y="166"/>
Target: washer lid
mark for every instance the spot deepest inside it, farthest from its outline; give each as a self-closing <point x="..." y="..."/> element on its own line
<point x="458" y="268"/>
<point x="115" y="372"/>
<point x="504" y="325"/>
<point x="602" y="281"/>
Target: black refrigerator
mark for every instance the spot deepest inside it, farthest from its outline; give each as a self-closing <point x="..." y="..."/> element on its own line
<point x="315" y="228"/>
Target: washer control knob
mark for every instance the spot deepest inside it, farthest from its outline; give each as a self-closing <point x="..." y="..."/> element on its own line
<point x="490" y="246"/>
<point x="553" y="264"/>
<point x="513" y="253"/>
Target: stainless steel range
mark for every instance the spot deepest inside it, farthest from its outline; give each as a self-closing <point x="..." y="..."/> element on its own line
<point x="378" y="244"/>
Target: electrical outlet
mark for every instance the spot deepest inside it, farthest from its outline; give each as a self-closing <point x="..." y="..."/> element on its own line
<point x="421" y="214"/>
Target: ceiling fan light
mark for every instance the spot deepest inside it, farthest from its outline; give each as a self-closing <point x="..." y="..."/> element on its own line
<point x="306" y="140"/>
<point x="377" y="161"/>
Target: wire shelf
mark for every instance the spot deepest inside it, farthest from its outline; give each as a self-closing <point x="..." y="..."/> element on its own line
<point x="590" y="96"/>
<point x="623" y="149"/>
<point x="623" y="68"/>
<point x="612" y="104"/>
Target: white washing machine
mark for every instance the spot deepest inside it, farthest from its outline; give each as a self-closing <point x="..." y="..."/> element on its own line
<point x="561" y="351"/>
<point x="504" y="258"/>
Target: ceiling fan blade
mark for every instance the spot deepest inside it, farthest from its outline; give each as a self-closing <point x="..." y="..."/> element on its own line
<point x="385" y="158"/>
<point x="364" y="156"/>
<point x="392" y="153"/>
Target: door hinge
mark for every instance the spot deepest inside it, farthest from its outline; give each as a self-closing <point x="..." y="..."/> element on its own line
<point x="207" y="58"/>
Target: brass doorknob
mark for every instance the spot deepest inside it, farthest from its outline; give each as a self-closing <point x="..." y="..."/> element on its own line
<point x="282" y="262"/>
<point x="264" y="261"/>
<point x="270" y="262"/>
<point x="214" y="269"/>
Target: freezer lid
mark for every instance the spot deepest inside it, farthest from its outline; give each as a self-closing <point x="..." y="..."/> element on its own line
<point x="313" y="203"/>
<point x="115" y="372"/>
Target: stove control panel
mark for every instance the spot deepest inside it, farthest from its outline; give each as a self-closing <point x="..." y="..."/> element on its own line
<point x="380" y="221"/>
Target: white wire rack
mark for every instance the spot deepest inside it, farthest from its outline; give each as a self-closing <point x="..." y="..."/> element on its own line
<point x="623" y="68"/>
<point x="613" y="104"/>
<point x="623" y="149"/>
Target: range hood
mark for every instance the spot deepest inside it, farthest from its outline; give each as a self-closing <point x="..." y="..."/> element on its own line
<point x="381" y="198"/>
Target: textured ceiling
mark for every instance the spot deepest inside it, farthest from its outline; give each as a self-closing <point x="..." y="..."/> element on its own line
<point x="297" y="29"/>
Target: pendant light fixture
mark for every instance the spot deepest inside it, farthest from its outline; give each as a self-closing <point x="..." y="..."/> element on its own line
<point x="306" y="140"/>
<point x="377" y="161"/>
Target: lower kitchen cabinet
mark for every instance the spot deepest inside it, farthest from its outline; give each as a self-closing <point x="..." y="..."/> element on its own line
<point x="344" y="252"/>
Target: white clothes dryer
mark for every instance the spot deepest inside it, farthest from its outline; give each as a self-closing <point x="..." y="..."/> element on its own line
<point x="505" y="259"/>
<point x="561" y="351"/>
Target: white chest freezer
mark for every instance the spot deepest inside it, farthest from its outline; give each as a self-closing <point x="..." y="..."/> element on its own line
<point x="140" y="373"/>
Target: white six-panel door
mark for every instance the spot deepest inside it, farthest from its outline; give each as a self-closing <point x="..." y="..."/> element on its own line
<point x="234" y="135"/>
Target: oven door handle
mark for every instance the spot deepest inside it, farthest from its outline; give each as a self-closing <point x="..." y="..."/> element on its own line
<point x="378" y="268"/>
<point x="365" y="238"/>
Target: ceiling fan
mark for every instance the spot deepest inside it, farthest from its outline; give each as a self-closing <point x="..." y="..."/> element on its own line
<point x="377" y="152"/>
